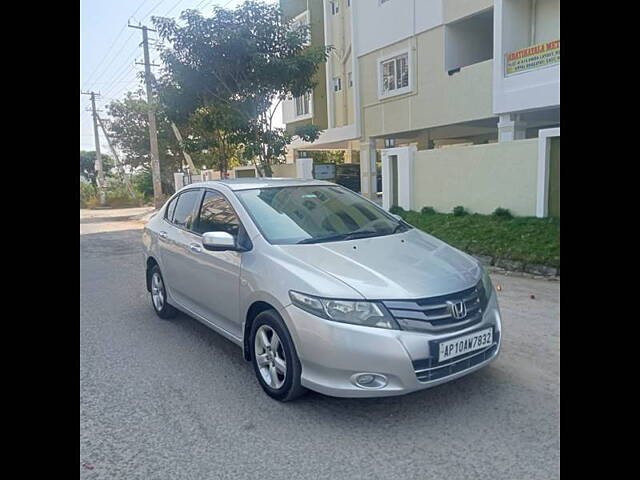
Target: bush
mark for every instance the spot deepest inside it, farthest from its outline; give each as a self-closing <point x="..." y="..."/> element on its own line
<point x="87" y="194"/>
<point x="459" y="211"/>
<point x="118" y="195"/>
<point x="428" y="211"/>
<point x="143" y="182"/>
<point x="396" y="210"/>
<point x="502" y="212"/>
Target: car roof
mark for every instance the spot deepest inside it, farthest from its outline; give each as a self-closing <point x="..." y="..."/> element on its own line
<point x="263" y="182"/>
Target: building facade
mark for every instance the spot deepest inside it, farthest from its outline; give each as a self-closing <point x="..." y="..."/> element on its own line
<point x="451" y="102"/>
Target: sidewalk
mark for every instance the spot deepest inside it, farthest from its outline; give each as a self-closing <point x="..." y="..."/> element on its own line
<point x="113" y="219"/>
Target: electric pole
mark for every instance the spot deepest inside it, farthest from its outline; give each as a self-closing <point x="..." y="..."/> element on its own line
<point x="153" y="134"/>
<point x="121" y="171"/>
<point x="98" y="165"/>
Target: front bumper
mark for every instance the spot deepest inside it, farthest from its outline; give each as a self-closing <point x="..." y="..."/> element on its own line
<point x="332" y="354"/>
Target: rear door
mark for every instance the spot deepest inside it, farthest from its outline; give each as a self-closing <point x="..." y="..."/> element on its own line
<point x="175" y="241"/>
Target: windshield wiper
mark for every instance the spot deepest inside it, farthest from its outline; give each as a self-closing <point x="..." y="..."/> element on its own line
<point x="342" y="236"/>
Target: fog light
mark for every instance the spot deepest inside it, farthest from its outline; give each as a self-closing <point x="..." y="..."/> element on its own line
<point x="369" y="380"/>
<point x="365" y="379"/>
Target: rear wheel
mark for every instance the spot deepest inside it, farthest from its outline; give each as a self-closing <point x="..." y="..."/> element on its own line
<point x="274" y="357"/>
<point x="159" y="295"/>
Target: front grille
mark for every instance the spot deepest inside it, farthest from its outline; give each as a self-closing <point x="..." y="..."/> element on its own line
<point x="433" y="314"/>
<point x="429" y="369"/>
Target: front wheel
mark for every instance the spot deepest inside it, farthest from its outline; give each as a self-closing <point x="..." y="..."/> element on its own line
<point x="274" y="357"/>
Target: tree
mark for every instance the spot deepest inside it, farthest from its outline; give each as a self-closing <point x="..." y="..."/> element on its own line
<point x="238" y="65"/>
<point x="128" y="128"/>
<point x="87" y="165"/>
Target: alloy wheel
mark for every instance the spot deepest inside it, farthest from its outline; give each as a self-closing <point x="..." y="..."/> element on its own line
<point x="157" y="291"/>
<point x="270" y="357"/>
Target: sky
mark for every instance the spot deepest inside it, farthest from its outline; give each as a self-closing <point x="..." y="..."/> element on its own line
<point x="109" y="50"/>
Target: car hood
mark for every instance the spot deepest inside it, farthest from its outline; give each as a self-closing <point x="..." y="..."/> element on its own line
<point x="407" y="265"/>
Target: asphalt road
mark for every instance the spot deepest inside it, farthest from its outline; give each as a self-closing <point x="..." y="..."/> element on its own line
<point x="174" y="400"/>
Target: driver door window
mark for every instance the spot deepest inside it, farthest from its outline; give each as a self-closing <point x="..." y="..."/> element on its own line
<point x="217" y="215"/>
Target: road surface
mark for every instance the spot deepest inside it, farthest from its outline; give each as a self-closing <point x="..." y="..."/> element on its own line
<point x="174" y="400"/>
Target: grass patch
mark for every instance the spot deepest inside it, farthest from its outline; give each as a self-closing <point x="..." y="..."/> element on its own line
<point x="527" y="239"/>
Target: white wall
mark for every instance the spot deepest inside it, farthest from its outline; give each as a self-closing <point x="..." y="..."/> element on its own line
<point x="378" y="25"/>
<point x="512" y="31"/>
<point x="479" y="177"/>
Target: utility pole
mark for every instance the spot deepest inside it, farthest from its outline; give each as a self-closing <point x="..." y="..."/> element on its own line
<point x="117" y="159"/>
<point x="153" y="134"/>
<point x="98" y="165"/>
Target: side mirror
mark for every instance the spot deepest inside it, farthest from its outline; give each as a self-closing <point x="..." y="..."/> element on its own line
<point x="397" y="217"/>
<point x="218" y="241"/>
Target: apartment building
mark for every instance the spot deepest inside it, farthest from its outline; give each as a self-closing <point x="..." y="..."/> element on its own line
<point x="451" y="102"/>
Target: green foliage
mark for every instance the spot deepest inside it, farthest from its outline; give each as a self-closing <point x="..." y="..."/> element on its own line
<point x="459" y="211"/>
<point x="142" y="182"/>
<point x="118" y="195"/>
<point x="236" y="64"/>
<point x="87" y="165"/>
<point x="87" y="193"/>
<point x="502" y="212"/>
<point x="427" y="211"/>
<point x="526" y="239"/>
<point x="129" y="131"/>
<point x="309" y="132"/>
<point x="396" y="210"/>
<point x="323" y="156"/>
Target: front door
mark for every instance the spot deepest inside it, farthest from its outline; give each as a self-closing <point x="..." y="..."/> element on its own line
<point x="215" y="276"/>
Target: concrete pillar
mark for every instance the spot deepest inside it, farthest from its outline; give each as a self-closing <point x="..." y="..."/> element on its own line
<point x="511" y="127"/>
<point x="304" y="168"/>
<point x="178" y="179"/>
<point x="368" y="178"/>
<point x="424" y="141"/>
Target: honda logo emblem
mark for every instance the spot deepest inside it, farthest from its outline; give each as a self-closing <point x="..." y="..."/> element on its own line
<point x="458" y="310"/>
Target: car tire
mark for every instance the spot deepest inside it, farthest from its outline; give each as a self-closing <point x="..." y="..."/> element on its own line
<point x="267" y="360"/>
<point x="158" y="294"/>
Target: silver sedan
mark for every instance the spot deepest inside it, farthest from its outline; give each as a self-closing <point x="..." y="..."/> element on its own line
<point x="320" y="288"/>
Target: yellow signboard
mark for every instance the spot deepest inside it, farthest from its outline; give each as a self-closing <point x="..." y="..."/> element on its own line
<point x="533" y="57"/>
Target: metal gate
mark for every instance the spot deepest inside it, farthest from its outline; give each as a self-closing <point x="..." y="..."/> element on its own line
<point x="345" y="174"/>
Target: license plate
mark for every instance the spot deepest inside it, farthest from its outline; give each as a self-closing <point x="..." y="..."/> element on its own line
<point x="468" y="343"/>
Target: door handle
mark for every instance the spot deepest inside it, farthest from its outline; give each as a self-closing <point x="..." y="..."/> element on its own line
<point x="163" y="235"/>
<point x="195" y="248"/>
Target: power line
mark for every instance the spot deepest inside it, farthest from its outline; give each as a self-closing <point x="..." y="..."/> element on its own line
<point x="152" y="9"/>
<point x="117" y="54"/>
<point x="172" y="8"/>
<point x="120" y="76"/>
<point x="124" y="27"/>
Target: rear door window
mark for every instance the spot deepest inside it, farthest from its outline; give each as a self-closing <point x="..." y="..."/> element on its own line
<point x="187" y="208"/>
<point x="171" y="208"/>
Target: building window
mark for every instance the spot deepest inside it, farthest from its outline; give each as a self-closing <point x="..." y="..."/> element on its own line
<point x="394" y="74"/>
<point x="303" y="103"/>
<point x="337" y="84"/>
<point x="350" y="79"/>
<point x="335" y="7"/>
<point x="302" y="21"/>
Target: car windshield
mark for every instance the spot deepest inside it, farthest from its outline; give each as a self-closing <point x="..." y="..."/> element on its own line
<point x="316" y="214"/>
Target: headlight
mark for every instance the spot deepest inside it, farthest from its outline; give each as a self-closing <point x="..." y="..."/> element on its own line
<point x="357" y="312"/>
